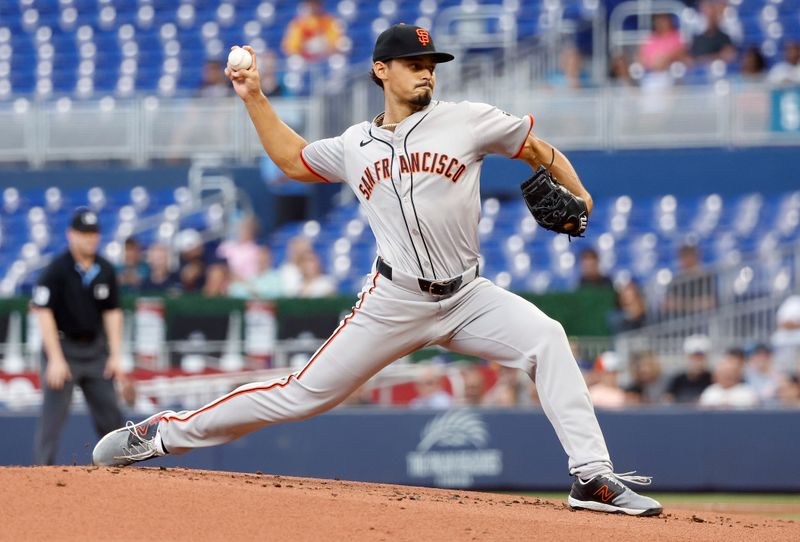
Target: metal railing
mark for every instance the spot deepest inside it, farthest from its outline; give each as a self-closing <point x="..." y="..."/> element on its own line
<point x="734" y="304"/>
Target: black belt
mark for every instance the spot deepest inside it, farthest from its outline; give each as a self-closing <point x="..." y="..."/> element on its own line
<point x="433" y="287"/>
<point x="85" y="338"/>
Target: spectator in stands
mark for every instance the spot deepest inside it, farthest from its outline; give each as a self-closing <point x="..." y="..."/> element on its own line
<point x="214" y="83"/>
<point x="474" y="385"/>
<point x="161" y="279"/>
<point x="314" y="283"/>
<point x="619" y="71"/>
<point x="430" y="393"/>
<point x="761" y="375"/>
<point x="313" y="34"/>
<point x="632" y="310"/>
<point x="242" y="254"/>
<point x="647" y="386"/>
<point x="693" y="289"/>
<point x="271" y="84"/>
<point x="606" y="392"/>
<point x="291" y="277"/>
<point x="591" y="276"/>
<point x="787" y="72"/>
<point x="571" y="72"/>
<point x="266" y="284"/>
<point x="712" y="44"/>
<point x="217" y="280"/>
<point x="663" y="47"/>
<point x="786" y="339"/>
<point x="728" y="391"/>
<point x="133" y="270"/>
<point x="740" y="357"/>
<point x="788" y="392"/>
<point x="193" y="266"/>
<point x="753" y="66"/>
<point x="508" y="390"/>
<point x="687" y="386"/>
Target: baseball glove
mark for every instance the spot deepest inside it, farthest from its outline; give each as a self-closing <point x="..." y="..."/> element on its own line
<point x="553" y="206"/>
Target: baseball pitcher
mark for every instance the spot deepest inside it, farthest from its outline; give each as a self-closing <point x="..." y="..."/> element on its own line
<point x="415" y="169"/>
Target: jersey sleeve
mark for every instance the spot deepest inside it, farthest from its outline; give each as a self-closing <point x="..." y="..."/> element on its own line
<point x="44" y="292"/>
<point x="325" y="159"/>
<point x="498" y="132"/>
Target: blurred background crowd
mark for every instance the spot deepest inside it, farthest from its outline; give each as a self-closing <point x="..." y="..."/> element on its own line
<point x="686" y="289"/>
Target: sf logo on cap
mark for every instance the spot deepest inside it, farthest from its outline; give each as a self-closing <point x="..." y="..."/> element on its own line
<point x="424" y="37"/>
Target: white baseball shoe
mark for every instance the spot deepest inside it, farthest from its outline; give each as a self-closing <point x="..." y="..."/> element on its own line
<point x="130" y="444"/>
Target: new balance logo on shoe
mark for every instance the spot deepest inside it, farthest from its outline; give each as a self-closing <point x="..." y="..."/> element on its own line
<point x="605" y="494"/>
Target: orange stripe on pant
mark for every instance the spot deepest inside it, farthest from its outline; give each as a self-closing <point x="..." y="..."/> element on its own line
<point x="291" y="377"/>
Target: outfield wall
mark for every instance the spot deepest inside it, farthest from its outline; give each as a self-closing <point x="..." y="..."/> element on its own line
<point x="684" y="450"/>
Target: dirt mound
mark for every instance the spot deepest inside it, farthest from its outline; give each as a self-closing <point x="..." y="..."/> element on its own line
<point x="90" y="503"/>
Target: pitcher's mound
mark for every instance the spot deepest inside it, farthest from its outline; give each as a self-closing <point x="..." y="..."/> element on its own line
<point x="89" y="503"/>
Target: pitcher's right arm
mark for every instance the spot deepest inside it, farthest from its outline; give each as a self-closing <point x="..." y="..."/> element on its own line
<point x="283" y="145"/>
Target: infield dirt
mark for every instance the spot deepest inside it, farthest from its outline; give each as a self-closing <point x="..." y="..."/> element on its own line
<point x="90" y="503"/>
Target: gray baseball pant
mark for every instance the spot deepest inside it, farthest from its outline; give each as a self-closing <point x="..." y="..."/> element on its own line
<point x="389" y="322"/>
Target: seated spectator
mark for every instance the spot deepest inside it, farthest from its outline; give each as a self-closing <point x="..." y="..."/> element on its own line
<point x="590" y="270"/>
<point x="786" y="339"/>
<point x="474" y="386"/>
<point x="291" y="277"/>
<point x="632" y="311"/>
<point x="687" y="386"/>
<point x="606" y="392"/>
<point x="728" y="391"/>
<point x="161" y="279"/>
<point x="712" y="44"/>
<point x="214" y="83"/>
<point x="313" y="34"/>
<point x="133" y="270"/>
<point x="430" y="393"/>
<point x="647" y="386"/>
<point x="753" y="66"/>
<point x="266" y="284"/>
<point x="571" y="74"/>
<point x="192" y="256"/>
<point x="271" y="84"/>
<point x="693" y="289"/>
<point x="217" y="280"/>
<point x="619" y="72"/>
<point x="315" y="283"/>
<point x="787" y="72"/>
<point x="508" y="390"/>
<point x="740" y="357"/>
<point x="761" y="375"/>
<point x="788" y="392"/>
<point x="663" y="47"/>
<point x="242" y="254"/>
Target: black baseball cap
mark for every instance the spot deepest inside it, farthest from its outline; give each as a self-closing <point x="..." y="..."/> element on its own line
<point x="85" y="220"/>
<point x="405" y="40"/>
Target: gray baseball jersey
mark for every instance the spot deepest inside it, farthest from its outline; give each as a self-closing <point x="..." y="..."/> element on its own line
<point x="420" y="187"/>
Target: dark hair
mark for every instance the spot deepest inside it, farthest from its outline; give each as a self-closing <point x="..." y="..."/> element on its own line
<point x="131" y="242"/>
<point x="589" y="253"/>
<point x="760" y="63"/>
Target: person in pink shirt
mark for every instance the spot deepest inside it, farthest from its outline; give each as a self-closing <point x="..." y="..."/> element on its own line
<point x="242" y="255"/>
<point x="663" y="47"/>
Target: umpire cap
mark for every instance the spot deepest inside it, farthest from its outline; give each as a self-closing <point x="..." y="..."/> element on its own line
<point x="405" y="40"/>
<point x="85" y="220"/>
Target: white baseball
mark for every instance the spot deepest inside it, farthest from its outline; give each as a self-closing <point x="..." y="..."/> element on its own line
<point x="239" y="59"/>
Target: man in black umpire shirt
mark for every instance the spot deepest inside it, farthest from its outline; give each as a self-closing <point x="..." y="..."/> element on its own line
<point x="77" y="305"/>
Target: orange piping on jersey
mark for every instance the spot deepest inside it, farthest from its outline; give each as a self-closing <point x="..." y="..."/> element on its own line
<point x="523" y="141"/>
<point x="302" y="159"/>
<point x="291" y="377"/>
